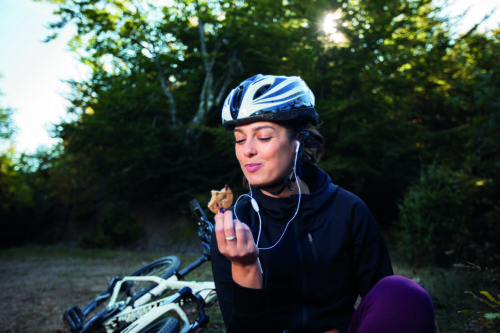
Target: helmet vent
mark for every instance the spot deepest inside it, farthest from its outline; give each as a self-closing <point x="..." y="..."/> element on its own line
<point x="261" y="90"/>
<point x="236" y="102"/>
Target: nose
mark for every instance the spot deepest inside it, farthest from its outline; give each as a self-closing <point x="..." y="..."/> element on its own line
<point x="249" y="150"/>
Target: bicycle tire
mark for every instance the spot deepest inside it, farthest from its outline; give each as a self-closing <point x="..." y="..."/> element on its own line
<point x="167" y="325"/>
<point x="163" y="267"/>
<point x="171" y="263"/>
<point x="171" y="325"/>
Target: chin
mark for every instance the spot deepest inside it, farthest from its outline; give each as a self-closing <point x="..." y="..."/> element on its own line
<point x="256" y="182"/>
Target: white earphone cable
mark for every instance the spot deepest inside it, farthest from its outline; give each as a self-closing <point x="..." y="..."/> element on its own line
<point x="256" y="208"/>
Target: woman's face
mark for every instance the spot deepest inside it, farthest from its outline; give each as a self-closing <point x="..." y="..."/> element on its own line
<point x="264" y="151"/>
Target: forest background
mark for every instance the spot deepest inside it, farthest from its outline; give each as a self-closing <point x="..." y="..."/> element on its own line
<point x="409" y="112"/>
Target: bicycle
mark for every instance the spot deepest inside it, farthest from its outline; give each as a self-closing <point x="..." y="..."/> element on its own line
<point x="140" y="301"/>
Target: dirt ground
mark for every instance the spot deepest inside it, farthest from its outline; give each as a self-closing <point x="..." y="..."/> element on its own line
<point x="34" y="293"/>
<point x="37" y="285"/>
<point x="36" y="289"/>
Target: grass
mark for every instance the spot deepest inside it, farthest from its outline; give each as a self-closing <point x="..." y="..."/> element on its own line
<point x="447" y="287"/>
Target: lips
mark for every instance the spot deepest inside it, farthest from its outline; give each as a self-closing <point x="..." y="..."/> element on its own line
<point x="252" y="167"/>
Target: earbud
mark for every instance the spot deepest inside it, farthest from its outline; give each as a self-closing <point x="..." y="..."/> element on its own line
<point x="298" y="146"/>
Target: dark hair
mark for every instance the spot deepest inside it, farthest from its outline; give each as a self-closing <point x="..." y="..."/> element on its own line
<point x="311" y="140"/>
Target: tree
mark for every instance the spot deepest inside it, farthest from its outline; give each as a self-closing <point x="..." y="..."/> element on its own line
<point x="7" y="127"/>
<point x="367" y="98"/>
<point x="15" y="194"/>
<point x="143" y="115"/>
<point x="396" y="94"/>
<point x="121" y="36"/>
<point x="462" y="137"/>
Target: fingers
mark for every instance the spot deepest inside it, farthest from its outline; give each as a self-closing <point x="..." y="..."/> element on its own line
<point x="229" y="230"/>
<point x="235" y="241"/>
<point x="243" y="234"/>
<point x="224" y="227"/>
<point x="229" y="226"/>
<point x="234" y="238"/>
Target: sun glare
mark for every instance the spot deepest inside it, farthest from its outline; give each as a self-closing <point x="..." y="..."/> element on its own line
<point x="331" y="21"/>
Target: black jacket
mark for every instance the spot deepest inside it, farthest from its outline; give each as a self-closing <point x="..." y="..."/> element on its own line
<point x="331" y="252"/>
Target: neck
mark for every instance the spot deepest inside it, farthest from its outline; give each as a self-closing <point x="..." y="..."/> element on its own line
<point x="304" y="189"/>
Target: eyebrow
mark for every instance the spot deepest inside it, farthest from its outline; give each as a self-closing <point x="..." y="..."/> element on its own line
<point x="256" y="129"/>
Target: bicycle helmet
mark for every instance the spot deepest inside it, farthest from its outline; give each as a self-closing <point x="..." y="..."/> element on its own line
<point x="269" y="98"/>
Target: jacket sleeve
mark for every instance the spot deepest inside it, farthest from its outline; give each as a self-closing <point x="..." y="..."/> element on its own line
<point x="243" y="309"/>
<point x="370" y="256"/>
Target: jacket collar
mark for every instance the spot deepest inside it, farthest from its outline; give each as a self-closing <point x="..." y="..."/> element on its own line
<point x="282" y="209"/>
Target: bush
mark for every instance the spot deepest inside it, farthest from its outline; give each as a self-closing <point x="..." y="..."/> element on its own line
<point x="115" y="227"/>
<point x="448" y="217"/>
<point x="488" y="318"/>
<point x="16" y="204"/>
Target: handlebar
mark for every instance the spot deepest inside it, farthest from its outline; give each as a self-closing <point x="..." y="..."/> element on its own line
<point x="205" y="227"/>
<point x="75" y="317"/>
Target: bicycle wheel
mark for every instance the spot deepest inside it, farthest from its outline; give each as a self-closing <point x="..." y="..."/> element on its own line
<point x="164" y="268"/>
<point x="168" y="325"/>
<point x="171" y="326"/>
<point x="96" y="314"/>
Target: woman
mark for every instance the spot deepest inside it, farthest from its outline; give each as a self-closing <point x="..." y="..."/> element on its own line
<point x="294" y="253"/>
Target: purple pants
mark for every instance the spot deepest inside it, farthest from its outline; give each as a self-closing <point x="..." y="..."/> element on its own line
<point x="394" y="305"/>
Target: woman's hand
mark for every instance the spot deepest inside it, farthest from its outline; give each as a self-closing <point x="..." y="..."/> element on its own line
<point x="235" y="242"/>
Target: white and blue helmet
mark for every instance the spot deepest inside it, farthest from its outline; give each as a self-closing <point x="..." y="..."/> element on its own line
<point x="269" y="98"/>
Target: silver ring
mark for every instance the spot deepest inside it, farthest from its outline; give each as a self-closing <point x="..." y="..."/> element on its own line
<point x="231" y="238"/>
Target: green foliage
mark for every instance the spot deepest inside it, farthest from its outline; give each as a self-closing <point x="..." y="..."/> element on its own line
<point x="442" y="218"/>
<point x="459" y="137"/>
<point x="6" y="125"/>
<point x="488" y="320"/>
<point x="407" y="111"/>
<point x="16" y="203"/>
<point x="144" y="129"/>
<point x="115" y="227"/>
<point x="490" y="301"/>
<point x="431" y="215"/>
<point x="367" y="100"/>
<point x="16" y="195"/>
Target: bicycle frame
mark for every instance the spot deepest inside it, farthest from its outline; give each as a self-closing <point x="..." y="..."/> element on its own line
<point x="143" y="311"/>
<point x="139" y="311"/>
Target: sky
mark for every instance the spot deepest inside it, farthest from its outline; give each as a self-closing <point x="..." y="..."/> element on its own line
<point x="32" y="73"/>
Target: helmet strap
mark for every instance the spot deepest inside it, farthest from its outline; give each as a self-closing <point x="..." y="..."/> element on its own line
<point x="287" y="183"/>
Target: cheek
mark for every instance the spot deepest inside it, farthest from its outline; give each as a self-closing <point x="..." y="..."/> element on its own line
<point x="281" y="158"/>
<point x="283" y="161"/>
<point x="240" y="158"/>
<point x="238" y="154"/>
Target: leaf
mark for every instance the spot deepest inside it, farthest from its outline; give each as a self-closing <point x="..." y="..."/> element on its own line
<point x="467" y="312"/>
<point x="491" y="298"/>
<point x="492" y="316"/>
<point x="485" y="293"/>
